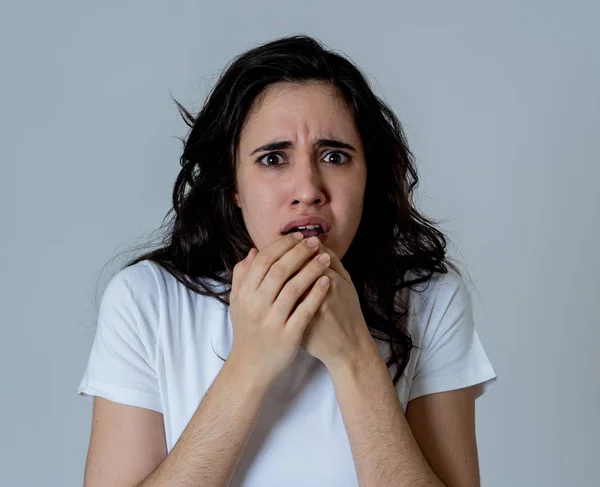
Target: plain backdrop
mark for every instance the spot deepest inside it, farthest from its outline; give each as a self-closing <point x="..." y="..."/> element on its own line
<point x="500" y="102"/>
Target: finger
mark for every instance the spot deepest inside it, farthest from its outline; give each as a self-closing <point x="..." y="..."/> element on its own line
<point x="297" y="286"/>
<point x="285" y="268"/>
<point x="305" y="311"/>
<point x="336" y="263"/>
<point x="265" y="258"/>
<point x="240" y="270"/>
<point x="330" y="273"/>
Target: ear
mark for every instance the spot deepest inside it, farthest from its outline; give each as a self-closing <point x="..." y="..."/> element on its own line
<point x="236" y="199"/>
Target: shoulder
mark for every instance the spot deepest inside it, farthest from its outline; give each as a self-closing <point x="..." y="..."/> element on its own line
<point x="442" y="301"/>
<point x="132" y="299"/>
<point x="439" y="289"/>
<point x="146" y="279"/>
<point x="134" y="282"/>
<point x="150" y="279"/>
<point x="150" y="291"/>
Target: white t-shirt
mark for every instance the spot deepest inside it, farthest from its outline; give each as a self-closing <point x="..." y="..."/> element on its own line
<point x="155" y="348"/>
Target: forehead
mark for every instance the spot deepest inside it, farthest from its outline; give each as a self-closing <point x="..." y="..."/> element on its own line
<point x="292" y="109"/>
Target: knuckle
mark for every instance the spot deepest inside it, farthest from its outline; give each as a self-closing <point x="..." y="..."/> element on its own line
<point x="278" y="271"/>
<point x="253" y="311"/>
<point x="253" y="314"/>
<point x="262" y="260"/>
<point x="293" y="289"/>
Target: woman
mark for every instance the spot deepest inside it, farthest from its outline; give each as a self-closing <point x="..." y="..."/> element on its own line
<point x="238" y="354"/>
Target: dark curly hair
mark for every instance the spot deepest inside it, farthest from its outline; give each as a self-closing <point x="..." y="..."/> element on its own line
<point x="205" y="235"/>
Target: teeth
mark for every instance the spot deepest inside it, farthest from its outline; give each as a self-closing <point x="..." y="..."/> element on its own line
<point x="306" y="227"/>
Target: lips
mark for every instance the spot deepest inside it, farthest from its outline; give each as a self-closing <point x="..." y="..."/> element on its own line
<point x="307" y="220"/>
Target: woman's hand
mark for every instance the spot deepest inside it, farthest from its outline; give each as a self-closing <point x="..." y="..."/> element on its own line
<point x="266" y="337"/>
<point x="338" y="333"/>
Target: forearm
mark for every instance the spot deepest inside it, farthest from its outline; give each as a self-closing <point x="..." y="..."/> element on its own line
<point x="211" y="445"/>
<point x="384" y="449"/>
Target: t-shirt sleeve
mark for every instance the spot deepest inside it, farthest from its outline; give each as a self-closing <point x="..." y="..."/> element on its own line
<point x="121" y="364"/>
<point x="451" y="355"/>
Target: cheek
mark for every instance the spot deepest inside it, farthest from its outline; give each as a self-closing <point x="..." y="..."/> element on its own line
<point x="352" y="197"/>
<point x="262" y="209"/>
<point x="263" y="202"/>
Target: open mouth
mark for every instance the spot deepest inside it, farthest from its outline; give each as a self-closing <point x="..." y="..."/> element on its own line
<point x="309" y="231"/>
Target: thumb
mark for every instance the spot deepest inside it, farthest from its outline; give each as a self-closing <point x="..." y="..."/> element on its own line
<point x="241" y="269"/>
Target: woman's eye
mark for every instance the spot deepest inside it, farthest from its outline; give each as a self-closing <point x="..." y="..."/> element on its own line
<point x="276" y="159"/>
<point x="339" y="157"/>
<point x="270" y="159"/>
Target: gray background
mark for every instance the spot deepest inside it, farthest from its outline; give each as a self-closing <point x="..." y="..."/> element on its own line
<point x="500" y="104"/>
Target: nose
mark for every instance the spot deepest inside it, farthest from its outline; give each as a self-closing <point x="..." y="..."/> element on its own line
<point x="308" y="185"/>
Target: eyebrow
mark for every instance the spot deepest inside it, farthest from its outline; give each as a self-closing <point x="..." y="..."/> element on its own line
<point x="286" y="144"/>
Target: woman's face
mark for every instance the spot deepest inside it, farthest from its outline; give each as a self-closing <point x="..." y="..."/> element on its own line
<point x="318" y="168"/>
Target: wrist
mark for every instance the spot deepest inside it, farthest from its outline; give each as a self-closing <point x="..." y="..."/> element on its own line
<point x="246" y="375"/>
<point x="365" y="353"/>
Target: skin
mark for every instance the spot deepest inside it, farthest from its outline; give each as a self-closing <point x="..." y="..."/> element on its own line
<point x="305" y="178"/>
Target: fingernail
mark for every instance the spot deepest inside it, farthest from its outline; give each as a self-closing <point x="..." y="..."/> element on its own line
<point x="312" y="241"/>
<point x="323" y="258"/>
<point x="297" y="236"/>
